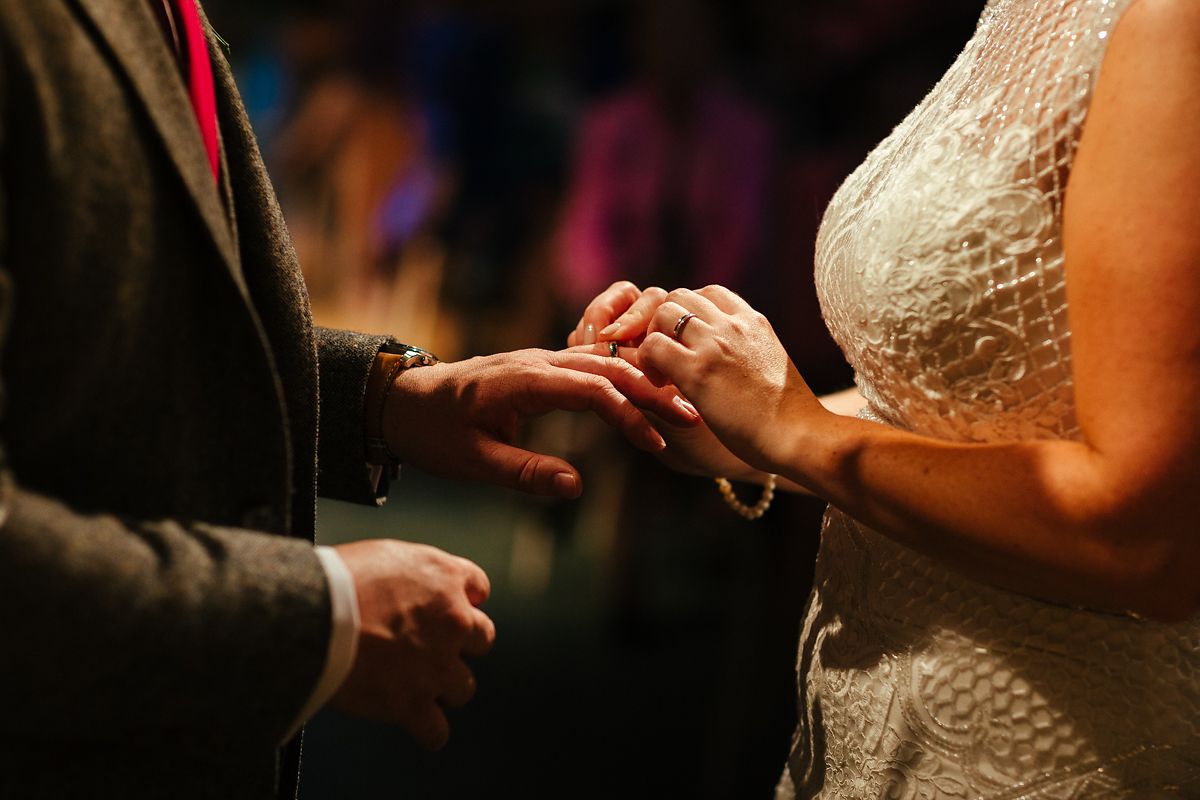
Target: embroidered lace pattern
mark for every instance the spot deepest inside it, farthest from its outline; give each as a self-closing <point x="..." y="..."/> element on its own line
<point x="940" y="271"/>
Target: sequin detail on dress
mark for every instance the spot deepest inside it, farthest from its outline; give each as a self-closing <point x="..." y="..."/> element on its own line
<point x="940" y="271"/>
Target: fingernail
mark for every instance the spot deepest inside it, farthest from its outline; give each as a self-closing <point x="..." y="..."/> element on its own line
<point x="589" y="334"/>
<point x="687" y="407"/>
<point x="611" y="329"/>
<point x="566" y="484"/>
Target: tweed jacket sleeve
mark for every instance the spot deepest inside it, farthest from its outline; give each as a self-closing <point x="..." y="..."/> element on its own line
<point x="227" y="608"/>
<point x="102" y="615"/>
<point x="345" y="359"/>
<point x="120" y="630"/>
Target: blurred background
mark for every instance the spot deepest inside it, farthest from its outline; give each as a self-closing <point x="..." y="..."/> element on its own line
<point x="466" y="175"/>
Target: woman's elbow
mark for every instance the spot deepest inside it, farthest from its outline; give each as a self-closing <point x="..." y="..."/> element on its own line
<point x="1155" y="575"/>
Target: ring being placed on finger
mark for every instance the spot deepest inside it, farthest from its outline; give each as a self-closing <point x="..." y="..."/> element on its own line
<point x="681" y="324"/>
<point x="613" y="349"/>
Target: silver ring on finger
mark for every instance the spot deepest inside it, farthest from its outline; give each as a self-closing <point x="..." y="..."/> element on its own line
<point x="681" y="324"/>
<point x="614" y="349"/>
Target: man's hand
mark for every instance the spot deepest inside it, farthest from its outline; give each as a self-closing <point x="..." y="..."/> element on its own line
<point x="459" y="420"/>
<point x="419" y="619"/>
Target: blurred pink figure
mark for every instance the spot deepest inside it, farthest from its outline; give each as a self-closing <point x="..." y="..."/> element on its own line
<point x="670" y="175"/>
<point x="638" y="174"/>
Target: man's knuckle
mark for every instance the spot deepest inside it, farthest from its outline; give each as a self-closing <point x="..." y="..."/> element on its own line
<point x="455" y="620"/>
<point x="614" y="398"/>
<point x="623" y="369"/>
<point x="481" y="578"/>
<point x="596" y="384"/>
<point x="528" y="472"/>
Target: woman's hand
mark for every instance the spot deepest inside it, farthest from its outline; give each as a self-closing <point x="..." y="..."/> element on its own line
<point x="729" y="363"/>
<point x="696" y="450"/>
<point x="691" y="447"/>
<point x="618" y="314"/>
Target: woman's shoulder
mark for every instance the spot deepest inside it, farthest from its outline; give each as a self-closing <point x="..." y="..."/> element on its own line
<point x="1155" y="46"/>
<point x="1159" y="22"/>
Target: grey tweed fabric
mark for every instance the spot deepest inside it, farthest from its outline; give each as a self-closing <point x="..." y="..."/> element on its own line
<point x="164" y="616"/>
<point x="343" y="462"/>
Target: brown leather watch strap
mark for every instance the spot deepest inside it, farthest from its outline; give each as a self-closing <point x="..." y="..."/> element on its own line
<point x="383" y="371"/>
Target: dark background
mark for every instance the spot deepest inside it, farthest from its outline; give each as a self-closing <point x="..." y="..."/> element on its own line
<point x="432" y="162"/>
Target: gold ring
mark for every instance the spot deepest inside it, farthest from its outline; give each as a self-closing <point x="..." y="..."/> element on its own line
<point x="681" y="324"/>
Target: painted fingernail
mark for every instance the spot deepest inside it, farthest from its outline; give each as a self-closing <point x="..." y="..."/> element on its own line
<point x="566" y="484"/>
<point x="687" y="407"/>
<point x="611" y="329"/>
<point x="589" y="334"/>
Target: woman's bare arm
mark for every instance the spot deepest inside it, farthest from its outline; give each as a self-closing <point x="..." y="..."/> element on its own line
<point x="1112" y="521"/>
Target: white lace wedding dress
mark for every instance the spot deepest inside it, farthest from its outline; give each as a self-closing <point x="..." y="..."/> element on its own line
<point x="940" y="271"/>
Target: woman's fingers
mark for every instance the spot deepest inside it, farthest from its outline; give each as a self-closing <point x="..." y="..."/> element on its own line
<point x="680" y="303"/>
<point x="606" y="307"/>
<point x="666" y="361"/>
<point x="632" y="324"/>
<point x="683" y="324"/>
<point x="677" y="322"/>
<point x="728" y="301"/>
<point x="623" y="313"/>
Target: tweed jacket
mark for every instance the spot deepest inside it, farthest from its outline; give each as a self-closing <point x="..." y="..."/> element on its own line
<point x="163" y="615"/>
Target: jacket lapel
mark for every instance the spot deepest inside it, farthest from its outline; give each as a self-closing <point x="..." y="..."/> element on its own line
<point x="137" y="43"/>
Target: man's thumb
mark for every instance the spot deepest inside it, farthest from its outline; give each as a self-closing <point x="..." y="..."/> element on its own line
<point x="530" y="472"/>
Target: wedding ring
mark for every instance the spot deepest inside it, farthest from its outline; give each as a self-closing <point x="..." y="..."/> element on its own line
<point x="613" y="349"/>
<point x="681" y="324"/>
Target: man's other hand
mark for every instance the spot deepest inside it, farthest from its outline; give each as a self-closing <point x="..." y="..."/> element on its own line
<point x="420" y="618"/>
<point x="460" y="419"/>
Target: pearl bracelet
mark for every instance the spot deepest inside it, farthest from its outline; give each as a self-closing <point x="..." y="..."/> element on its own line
<point x="749" y="512"/>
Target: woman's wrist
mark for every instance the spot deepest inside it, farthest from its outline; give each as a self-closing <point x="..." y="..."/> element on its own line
<point x="746" y="474"/>
<point x="804" y="448"/>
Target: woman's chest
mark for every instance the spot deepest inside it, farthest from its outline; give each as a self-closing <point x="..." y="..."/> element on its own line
<point x="940" y="261"/>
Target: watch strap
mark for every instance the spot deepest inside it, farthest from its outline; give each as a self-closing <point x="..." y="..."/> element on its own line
<point x="393" y="358"/>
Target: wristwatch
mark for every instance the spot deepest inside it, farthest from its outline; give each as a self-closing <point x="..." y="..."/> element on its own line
<point x="393" y="359"/>
<point x="415" y="356"/>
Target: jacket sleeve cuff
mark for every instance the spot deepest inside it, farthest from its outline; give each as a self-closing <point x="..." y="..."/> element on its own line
<point x="344" y="633"/>
<point x="345" y="360"/>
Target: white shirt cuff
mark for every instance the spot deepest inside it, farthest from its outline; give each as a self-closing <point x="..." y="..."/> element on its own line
<point x="343" y="638"/>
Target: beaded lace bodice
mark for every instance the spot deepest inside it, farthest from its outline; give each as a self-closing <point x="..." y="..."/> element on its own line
<point x="939" y="262"/>
<point x="940" y="272"/>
